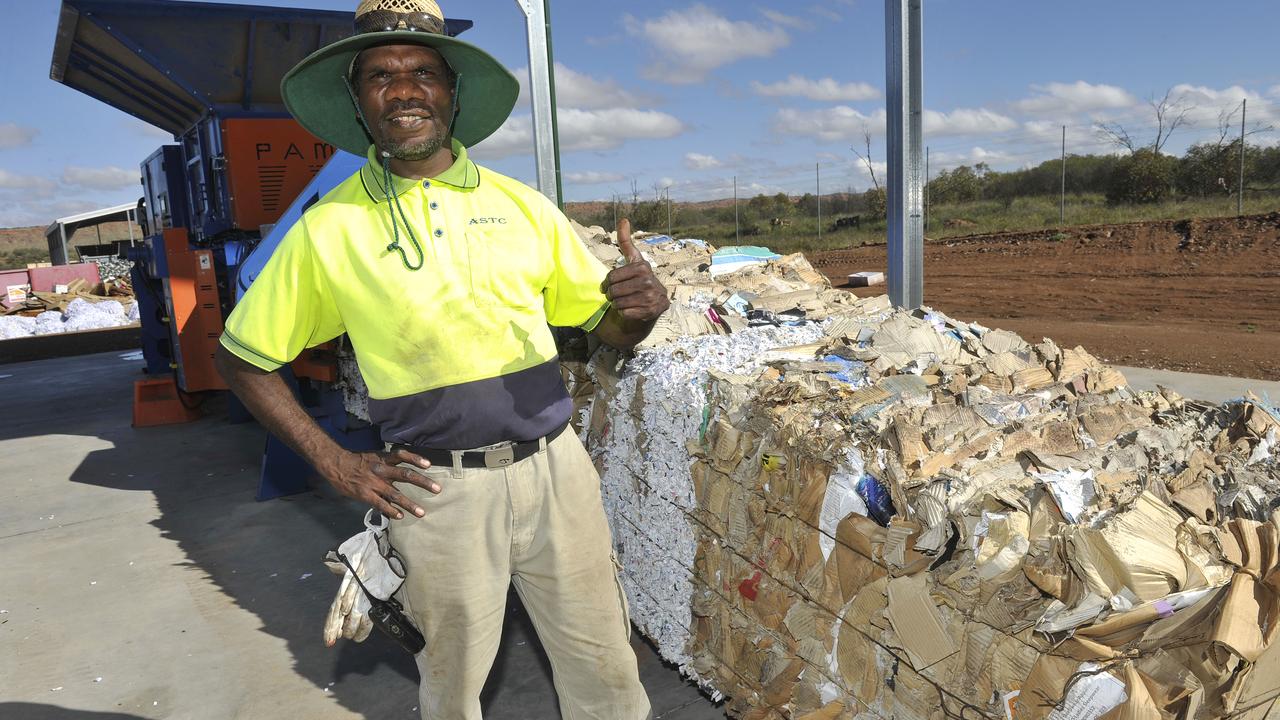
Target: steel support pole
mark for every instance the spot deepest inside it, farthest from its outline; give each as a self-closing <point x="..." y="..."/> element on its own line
<point x="546" y="150"/>
<point x="905" y="196"/>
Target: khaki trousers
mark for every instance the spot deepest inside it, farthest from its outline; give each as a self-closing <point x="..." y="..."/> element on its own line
<point x="539" y="524"/>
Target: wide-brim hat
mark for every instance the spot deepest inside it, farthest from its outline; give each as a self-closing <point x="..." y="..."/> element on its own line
<point x="317" y="94"/>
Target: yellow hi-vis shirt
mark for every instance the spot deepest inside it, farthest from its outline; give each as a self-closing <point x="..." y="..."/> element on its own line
<point x="501" y="262"/>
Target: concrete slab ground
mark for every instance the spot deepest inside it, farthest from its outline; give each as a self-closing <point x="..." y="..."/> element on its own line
<point x="1211" y="388"/>
<point x="139" y="578"/>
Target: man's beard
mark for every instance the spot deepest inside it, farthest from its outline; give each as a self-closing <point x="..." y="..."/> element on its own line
<point x="414" y="151"/>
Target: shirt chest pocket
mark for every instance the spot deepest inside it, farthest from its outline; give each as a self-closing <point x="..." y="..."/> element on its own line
<point x="508" y="268"/>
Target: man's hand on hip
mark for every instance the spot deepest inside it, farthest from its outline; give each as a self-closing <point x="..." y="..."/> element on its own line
<point x="371" y="477"/>
<point x="633" y="289"/>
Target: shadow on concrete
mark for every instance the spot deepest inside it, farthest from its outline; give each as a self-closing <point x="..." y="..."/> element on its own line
<point x="258" y="554"/>
<point x="35" y="711"/>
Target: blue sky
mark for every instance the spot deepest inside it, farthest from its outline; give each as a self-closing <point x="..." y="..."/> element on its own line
<point x="689" y="95"/>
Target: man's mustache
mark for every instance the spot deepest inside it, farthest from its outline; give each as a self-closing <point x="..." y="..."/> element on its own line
<point x="407" y="106"/>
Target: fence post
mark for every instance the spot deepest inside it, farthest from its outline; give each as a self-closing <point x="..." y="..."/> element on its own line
<point x="737" y="234"/>
<point x="817" y="184"/>
<point x="1062" y="202"/>
<point x="1244" y="106"/>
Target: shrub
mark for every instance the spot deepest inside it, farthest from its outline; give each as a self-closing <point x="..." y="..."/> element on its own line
<point x="1144" y="177"/>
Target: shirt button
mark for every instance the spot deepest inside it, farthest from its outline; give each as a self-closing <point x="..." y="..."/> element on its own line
<point x="434" y="205"/>
<point x="439" y="232"/>
<point x="426" y="183"/>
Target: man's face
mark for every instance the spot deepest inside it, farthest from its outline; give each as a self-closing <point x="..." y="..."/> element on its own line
<point x="406" y="95"/>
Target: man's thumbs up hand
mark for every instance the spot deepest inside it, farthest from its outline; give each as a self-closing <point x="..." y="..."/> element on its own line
<point x="633" y="289"/>
<point x="625" y="246"/>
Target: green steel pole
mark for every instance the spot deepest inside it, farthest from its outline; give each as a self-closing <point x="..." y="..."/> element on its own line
<point x="555" y="123"/>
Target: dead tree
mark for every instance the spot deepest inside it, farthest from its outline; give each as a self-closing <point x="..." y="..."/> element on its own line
<point x="1229" y="127"/>
<point x="866" y="159"/>
<point x="1171" y="113"/>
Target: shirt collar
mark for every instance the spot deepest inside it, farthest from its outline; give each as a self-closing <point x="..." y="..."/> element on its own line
<point x="462" y="174"/>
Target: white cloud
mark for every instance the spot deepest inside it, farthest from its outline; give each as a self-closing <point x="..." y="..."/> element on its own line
<point x="823" y="89"/>
<point x="579" y="90"/>
<point x="829" y="124"/>
<point x="1201" y="95"/>
<point x="690" y="43"/>
<point x="947" y="160"/>
<point x="583" y="130"/>
<point x="515" y="137"/>
<point x="1274" y="91"/>
<point x="698" y="161"/>
<point x="826" y="13"/>
<point x="13" y="135"/>
<point x="790" y="21"/>
<point x="100" y="178"/>
<point x="25" y="211"/>
<point x="1207" y="103"/>
<point x="607" y="129"/>
<point x="12" y="181"/>
<point x="842" y="123"/>
<point x="1078" y="97"/>
<point x="864" y="177"/>
<point x="1042" y="130"/>
<point x="32" y="184"/>
<point x="966" y="121"/>
<point x="591" y="177"/>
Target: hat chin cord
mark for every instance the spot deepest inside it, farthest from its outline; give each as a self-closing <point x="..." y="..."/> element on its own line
<point x="393" y="199"/>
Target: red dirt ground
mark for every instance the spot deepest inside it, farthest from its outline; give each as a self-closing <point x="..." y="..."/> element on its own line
<point x="1193" y="295"/>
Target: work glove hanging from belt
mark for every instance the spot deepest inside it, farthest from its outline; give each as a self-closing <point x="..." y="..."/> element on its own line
<point x="380" y="569"/>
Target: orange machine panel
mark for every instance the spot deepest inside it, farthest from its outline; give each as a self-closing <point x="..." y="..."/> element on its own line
<point x="317" y="363"/>
<point x="268" y="162"/>
<point x="195" y="319"/>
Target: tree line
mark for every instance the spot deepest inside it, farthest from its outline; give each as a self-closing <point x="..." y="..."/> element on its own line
<point x="1145" y="175"/>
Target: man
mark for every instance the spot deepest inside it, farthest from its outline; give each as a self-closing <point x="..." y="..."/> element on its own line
<point x="445" y="275"/>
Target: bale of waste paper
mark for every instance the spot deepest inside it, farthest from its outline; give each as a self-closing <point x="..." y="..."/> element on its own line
<point x="826" y="507"/>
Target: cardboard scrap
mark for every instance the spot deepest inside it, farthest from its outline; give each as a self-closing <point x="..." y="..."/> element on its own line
<point x="915" y="621"/>
<point x="1093" y="692"/>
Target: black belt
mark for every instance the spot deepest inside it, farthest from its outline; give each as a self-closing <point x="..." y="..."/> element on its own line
<point x="503" y="456"/>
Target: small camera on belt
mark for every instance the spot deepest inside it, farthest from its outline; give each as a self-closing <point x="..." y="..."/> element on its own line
<point x="388" y="616"/>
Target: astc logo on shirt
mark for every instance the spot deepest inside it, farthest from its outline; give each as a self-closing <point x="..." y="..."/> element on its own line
<point x="488" y="221"/>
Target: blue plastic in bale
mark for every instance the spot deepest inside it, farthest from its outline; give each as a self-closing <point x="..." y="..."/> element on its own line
<point x="879" y="504"/>
<point x="853" y="372"/>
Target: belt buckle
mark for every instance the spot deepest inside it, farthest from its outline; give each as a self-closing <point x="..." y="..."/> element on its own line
<point x="499" y="457"/>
